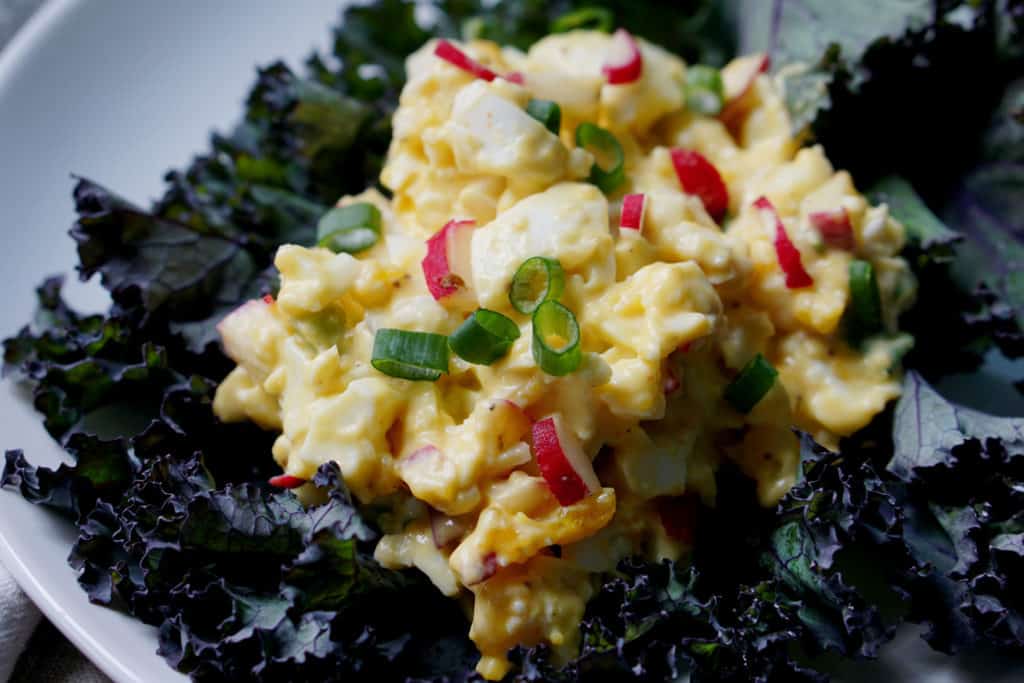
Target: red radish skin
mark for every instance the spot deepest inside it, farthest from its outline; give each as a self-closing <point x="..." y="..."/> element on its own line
<point x="698" y="176"/>
<point x="626" y="65"/>
<point x="267" y="299"/>
<point x="446" y="265"/>
<point x="286" y="481"/>
<point x="835" y="228"/>
<point x="634" y="206"/>
<point x="488" y="568"/>
<point x="419" y="454"/>
<point x="562" y="462"/>
<point x="679" y="517"/>
<point x="786" y="252"/>
<point x="738" y="86"/>
<point x="456" y="57"/>
<point x="515" y="77"/>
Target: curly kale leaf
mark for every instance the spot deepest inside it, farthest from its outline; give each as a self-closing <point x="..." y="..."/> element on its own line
<point x="988" y="206"/>
<point x="963" y="474"/>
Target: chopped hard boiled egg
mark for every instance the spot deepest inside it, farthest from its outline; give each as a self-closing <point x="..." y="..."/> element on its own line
<point x="598" y="375"/>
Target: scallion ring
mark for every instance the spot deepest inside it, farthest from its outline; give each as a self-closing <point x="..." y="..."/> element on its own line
<point x="586" y="18"/>
<point x="547" y="112"/>
<point x="754" y="381"/>
<point x="600" y="142"/>
<point x="537" y="280"/>
<point x="484" y="337"/>
<point x="351" y="228"/>
<point x="865" y="302"/>
<point x="705" y="93"/>
<point x="556" y="339"/>
<point x="410" y="355"/>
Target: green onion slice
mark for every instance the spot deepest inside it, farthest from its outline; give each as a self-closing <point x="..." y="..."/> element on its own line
<point x="537" y="280"/>
<point x="484" y="337"/>
<point x="556" y="339"/>
<point x="547" y="112"/>
<point x="754" y="381"/>
<point x="410" y="355"/>
<point x="606" y="148"/>
<point x="586" y="18"/>
<point x="865" y="300"/>
<point x="705" y="93"/>
<point x="351" y="228"/>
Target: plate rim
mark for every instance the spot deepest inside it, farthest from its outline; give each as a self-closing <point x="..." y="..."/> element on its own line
<point x="14" y="57"/>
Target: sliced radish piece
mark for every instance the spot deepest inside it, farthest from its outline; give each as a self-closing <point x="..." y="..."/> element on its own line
<point x="515" y="77"/>
<point x="447" y="266"/>
<point x="456" y="57"/>
<point x="738" y="82"/>
<point x="286" y="481"/>
<point x="267" y="299"/>
<point x="625" y="63"/>
<point x="835" y="228"/>
<point x="788" y="255"/>
<point x="634" y="206"/>
<point x="698" y="176"/>
<point x="445" y="529"/>
<point x="679" y="517"/>
<point x="562" y="462"/>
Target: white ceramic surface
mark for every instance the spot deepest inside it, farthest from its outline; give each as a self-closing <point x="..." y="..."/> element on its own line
<point x="120" y="90"/>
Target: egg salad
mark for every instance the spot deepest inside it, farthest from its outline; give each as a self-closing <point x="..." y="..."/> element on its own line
<point x="599" y="274"/>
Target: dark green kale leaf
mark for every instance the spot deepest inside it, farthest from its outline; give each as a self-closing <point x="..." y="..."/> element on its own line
<point x="820" y="42"/>
<point x="962" y="496"/>
<point x="988" y="206"/>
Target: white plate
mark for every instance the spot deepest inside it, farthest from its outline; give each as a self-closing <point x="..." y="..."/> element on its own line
<point x="119" y="91"/>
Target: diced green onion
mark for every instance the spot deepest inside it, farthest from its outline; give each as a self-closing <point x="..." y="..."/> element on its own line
<point x="351" y="228"/>
<point x="547" y="112"/>
<point x="537" y="280"/>
<point x="593" y="138"/>
<point x="556" y="339"/>
<point x="705" y="93"/>
<point x="484" y="337"/>
<point x="865" y="302"/>
<point x="586" y="18"/>
<point x="754" y="381"/>
<point x="410" y="355"/>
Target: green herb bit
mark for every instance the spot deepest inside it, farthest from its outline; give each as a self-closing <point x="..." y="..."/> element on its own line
<point x="484" y="337"/>
<point x="556" y="339"/>
<point x="538" y="279"/>
<point x="417" y="356"/>
<point x="351" y="228"/>
<point x="547" y="112"/>
<point x="585" y="18"/>
<point x="705" y="93"/>
<point x="752" y="384"/>
<point x="609" y="169"/>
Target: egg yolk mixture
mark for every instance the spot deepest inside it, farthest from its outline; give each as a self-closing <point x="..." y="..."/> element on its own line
<point x="715" y="311"/>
